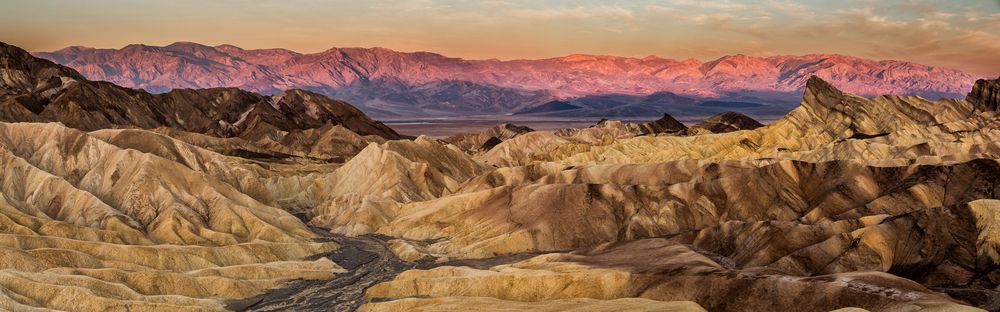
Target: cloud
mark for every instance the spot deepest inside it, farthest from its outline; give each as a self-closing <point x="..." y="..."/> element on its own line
<point x="575" y="13"/>
<point x="951" y="33"/>
<point x="925" y="31"/>
<point x="932" y="36"/>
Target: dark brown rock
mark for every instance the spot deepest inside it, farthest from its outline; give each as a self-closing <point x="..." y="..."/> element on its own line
<point x="38" y="90"/>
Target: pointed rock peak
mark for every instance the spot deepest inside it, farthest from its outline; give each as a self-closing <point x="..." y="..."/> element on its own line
<point x="669" y="122"/>
<point x="728" y="122"/>
<point x="186" y="44"/>
<point x="818" y="85"/>
<point x="309" y="97"/>
<point x="15" y="58"/>
<point x="667" y="116"/>
<point x="514" y="128"/>
<point x="819" y="93"/>
<point x="731" y="117"/>
<point x="601" y="122"/>
<point x="73" y="49"/>
<point x="985" y="94"/>
<point x="666" y="124"/>
<point x="7" y="49"/>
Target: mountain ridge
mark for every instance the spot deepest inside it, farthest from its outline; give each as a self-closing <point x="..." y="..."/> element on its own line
<point x="427" y="83"/>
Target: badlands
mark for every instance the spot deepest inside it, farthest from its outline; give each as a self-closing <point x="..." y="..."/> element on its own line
<point x="115" y="199"/>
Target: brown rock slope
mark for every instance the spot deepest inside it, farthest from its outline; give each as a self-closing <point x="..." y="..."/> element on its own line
<point x="38" y="90"/>
<point x="886" y="204"/>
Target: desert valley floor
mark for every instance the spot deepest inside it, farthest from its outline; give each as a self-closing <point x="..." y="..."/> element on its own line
<point x="218" y="199"/>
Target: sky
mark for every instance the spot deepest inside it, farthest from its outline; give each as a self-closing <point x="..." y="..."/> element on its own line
<point x="960" y="34"/>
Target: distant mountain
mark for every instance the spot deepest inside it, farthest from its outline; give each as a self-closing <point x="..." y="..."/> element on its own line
<point x="385" y="82"/>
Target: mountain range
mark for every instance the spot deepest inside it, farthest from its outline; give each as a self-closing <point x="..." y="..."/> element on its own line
<point x="388" y="83"/>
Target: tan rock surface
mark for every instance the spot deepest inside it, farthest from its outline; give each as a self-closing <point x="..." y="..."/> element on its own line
<point x="487" y="139"/>
<point x="607" y="131"/>
<point x="89" y="224"/>
<point x="372" y="186"/>
<point x="873" y="203"/>
<point x="825" y="116"/>
<point x="660" y="270"/>
<point x="496" y="305"/>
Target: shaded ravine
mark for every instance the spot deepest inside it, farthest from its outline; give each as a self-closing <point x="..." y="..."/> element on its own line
<point x="368" y="261"/>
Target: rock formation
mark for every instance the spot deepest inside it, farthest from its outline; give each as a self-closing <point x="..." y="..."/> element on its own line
<point x="725" y="122"/>
<point x="986" y="94"/>
<point x="607" y="130"/>
<point x="487" y="139"/>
